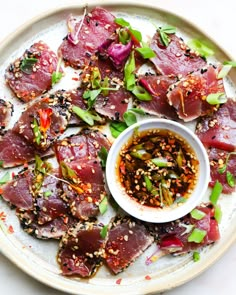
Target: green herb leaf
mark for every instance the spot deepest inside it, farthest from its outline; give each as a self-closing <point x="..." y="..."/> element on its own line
<point x="36" y="131"/>
<point x="129" y="72"/>
<point x="121" y="22"/>
<point x="56" y="77"/>
<point x="67" y="172"/>
<point x="137" y="111"/>
<point x="146" y="52"/>
<point x="1" y="163"/>
<point x="197" y="235"/>
<point x="129" y="118"/>
<point x="137" y="35"/>
<point x="91" y="96"/>
<point x="95" y="78"/>
<point x="103" y="206"/>
<point x="216" y="191"/>
<point x="230" y="179"/>
<point x="197" y="214"/>
<point x="124" y="36"/>
<point x="104" y="231"/>
<point x="196" y="256"/>
<point x="27" y="64"/>
<point x="141" y="93"/>
<point x="216" y="98"/>
<point x="218" y="214"/>
<point x="222" y="169"/>
<point x="224" y="71"/>
<point x="116" y="128"/>
<point x="201" y="47"/>
<point x="164" y="31"/>
<point x="47" y="194"/>
<point x="148" y="183"/>
<point x="103" y="153"/>
<point x="87" y="116"/>
<point x="5" y="178"/>
<point x="230" y="62"/>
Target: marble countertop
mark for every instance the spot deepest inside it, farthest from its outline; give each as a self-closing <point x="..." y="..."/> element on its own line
<point x="217" y="18"/>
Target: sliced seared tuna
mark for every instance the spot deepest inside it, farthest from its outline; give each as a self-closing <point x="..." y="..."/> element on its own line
<point x="15" y="150"/>
<point x="6" y="109"/>
<point x="222" y="163"/>
<point x="158" y="86"/>
<point x="85" y="36"/>
<point x="176" y="58"/>
<point x="219" y="130"/>
<point x="127" y="240"/>
<point x="188" y="233"/>
<point x="54" y="229"/>
<point x="188" y="96"/>
<point x="18" y="192"/>
<point x="31" y="74"/>
<point x="42" y="122"/>
<point x="81" y="250"/>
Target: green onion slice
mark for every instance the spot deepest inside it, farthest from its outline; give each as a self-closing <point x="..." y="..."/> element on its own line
<point x="201" y="47"/>
<point x="160" y="162"/>
<point x="67" y="172"/>
<point x="230" y="179"/>
<point x="36" y="131"/>
<point x="103" y="206"/>
<point x="148" y="183"/>
<point x="104" y="231"/>
<point x="87" y="116"/>
<point x="216" y="98"/>
<point x="141" y="93"/>
<point x="218" y="213"/>
<point x="197" y="214"/>
<point x="5" y="178"/>
<point x="196" y="256"/>
<point x="197" y="235"/>
<point x="224" y="71"/>
<point x="129" y="72"/>
<point x="216" y="191"/>
<point x="146" y="52"/>
<point x="27" y="64"/>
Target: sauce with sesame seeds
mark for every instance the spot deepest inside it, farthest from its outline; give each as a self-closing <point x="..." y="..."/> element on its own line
<point x="158" y="168"/>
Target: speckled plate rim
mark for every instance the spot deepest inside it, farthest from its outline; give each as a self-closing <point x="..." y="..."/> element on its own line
<point x="12" y="249"/>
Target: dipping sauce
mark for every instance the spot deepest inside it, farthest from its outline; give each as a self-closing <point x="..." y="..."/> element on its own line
<point x="158" y="168"/>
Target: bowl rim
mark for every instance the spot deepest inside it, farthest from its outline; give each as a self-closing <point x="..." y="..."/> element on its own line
<point x="151" y="214"/>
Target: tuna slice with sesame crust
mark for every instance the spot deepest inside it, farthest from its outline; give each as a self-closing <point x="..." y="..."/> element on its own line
<point x="81" y="168"/>
<point x="85" y="36"/>
<point x="189" y="95"/>
<point x="219" y="130"/>
<point x="127" y="240"/>
<point x="6" y="109"/>
<point x="176" y="58"/>
<point x="193" y="231"/>
<point x="81" y="250"/>
<point x="31" y="74"/>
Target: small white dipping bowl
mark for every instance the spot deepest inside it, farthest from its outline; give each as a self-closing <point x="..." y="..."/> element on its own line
<point x="148" y="213"/>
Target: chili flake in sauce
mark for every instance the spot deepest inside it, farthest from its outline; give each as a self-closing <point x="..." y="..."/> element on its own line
<point x="158" y="168"/>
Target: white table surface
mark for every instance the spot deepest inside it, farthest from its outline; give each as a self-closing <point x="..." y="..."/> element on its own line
<point x="215" y="17"/>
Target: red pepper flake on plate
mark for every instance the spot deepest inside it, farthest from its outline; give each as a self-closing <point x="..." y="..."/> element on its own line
<point x="10" y="229"/>
<point x="118" y="281"/>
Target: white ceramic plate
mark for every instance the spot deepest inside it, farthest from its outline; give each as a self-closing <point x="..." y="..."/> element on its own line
<point x="38" y="258"/>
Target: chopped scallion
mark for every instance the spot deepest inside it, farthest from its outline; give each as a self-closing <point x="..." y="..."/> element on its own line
<point x="148" y="183"/>
<point x="5" y="178"/>
<point x="216" y="191"/>
<point x="129" y="72"/>
<point x="230" y="179"/>
<point x="141" y="93"/>
<point x="196" y="256"/>
<point x="87" y="116"/>
<point x="103" y="206"/>
<point x="197" y="214"/>
<point x="103" y="153"/>
<point x="104" y="231"/>
<point x="218" y="213"/>
<point x="201" y="47"/>
<point x="197" y="235"/>
<point x="224" y="71"/>
<point x="216" y="98"/>
<point x="27" y="64"/>
<point x="36" y="131"/>
<point x="146" y="52"/>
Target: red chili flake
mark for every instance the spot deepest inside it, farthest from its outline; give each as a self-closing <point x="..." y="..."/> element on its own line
<point x="45" y="119"/>
<point x="147" y="277"/>
<point x="1" y="191"/>
<point x="118" y="281"/>
<point x="13" y="175"/>
<point x="10" y="229"/>
<point x="3" y="216"/>
<point x="75" y="79"/>
<point x="66" y="219"/>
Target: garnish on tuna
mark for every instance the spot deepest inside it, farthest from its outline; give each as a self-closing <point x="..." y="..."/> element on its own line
<point x="6" y="110"/>
<point x="31" y="74"/>
<point x="157" y="168"/>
